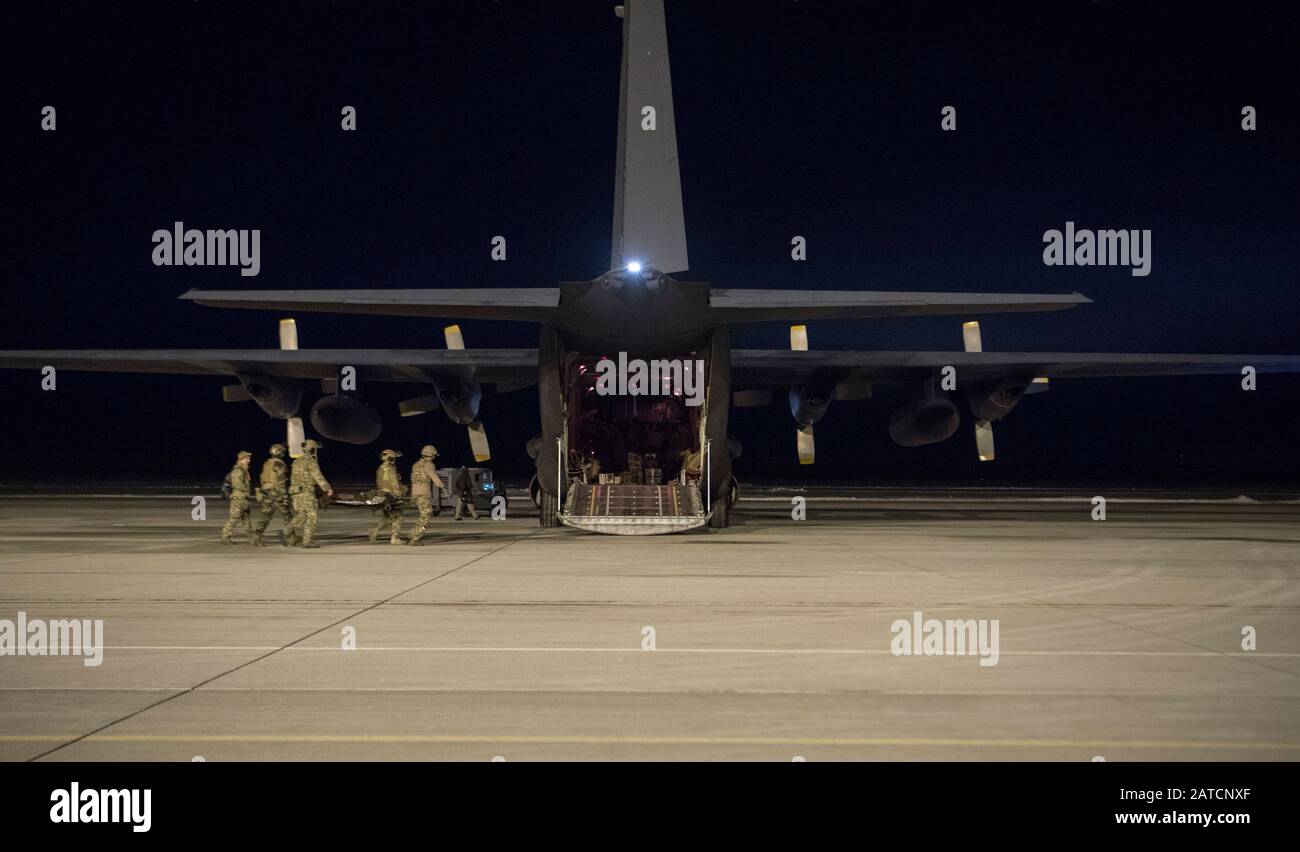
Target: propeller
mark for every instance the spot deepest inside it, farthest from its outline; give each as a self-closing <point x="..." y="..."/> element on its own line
<point x="983" y="428"/>
<point x="984" y="440"/>
<point x="478" y="440"/>
<point x="803" y="434"/>
<point x="419" y="405"/>
<point x="970" y="338"/>
<point x="970" y="334"/>
<point x="294" y="435"/>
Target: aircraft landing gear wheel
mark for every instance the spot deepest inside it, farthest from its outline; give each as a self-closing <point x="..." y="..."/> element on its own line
<point x="535" y="492"/>
<point x="721" y="515"/>
<point x="733" y="493"/>
<point x="548" y="510"/>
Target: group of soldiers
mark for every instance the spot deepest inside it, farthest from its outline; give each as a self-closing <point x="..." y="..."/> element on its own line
<point x="294" y="492"/>
<point x="391" y="491"/>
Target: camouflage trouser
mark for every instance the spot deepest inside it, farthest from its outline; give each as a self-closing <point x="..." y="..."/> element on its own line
<point x="303" y="525"/>
<point x="272" y="502"/>
<point x="424" y="503"/>
<point x="462" y="504"/>
<point x="392" y="517"/>
<point x="238" y="515"/>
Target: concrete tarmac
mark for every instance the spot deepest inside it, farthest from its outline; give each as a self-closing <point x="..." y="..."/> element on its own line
<point x="1120" y="639"/>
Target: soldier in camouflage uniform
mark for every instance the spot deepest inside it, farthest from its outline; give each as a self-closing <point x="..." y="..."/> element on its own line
<point x="303" y="482"/>
<point x="424" y="476"/>
<point x="388" y="482"/>
<point x="692" y="464"/>
<point x="275" y="494"/>
<point x="240" y="491"/>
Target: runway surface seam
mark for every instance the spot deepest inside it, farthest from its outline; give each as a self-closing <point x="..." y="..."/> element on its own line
<point x="261" y="657"/>
<point x="771" y="638"/>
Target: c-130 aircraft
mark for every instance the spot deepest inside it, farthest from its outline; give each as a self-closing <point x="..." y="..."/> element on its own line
<point x="638" y="309"/>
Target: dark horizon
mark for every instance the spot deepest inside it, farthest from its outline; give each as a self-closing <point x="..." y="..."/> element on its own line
<point x="819" y="119"/>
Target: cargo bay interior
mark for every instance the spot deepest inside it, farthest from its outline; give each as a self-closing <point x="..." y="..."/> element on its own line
<point x="627" y="439"/>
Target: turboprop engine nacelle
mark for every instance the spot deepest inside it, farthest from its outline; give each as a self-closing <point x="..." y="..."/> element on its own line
<point x="277" y="396"/>
<point x="927" y="418"/>
<point x="994" y="399"/>
<point x="809" y="403"/>
<point x="460" y="400"/>
<point x="342" y="418"/>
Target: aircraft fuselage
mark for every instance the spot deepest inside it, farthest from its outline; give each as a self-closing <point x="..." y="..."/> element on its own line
<point x="646" y="313"/>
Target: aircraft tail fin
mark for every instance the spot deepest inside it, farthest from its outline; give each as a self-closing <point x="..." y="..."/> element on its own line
<point x="649" y="227"/>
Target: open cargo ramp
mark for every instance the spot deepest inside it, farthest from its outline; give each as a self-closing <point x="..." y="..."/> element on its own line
<point x="634" y="509"/>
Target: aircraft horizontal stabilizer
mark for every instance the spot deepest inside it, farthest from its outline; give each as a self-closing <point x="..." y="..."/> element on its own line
<point x="800" y="305"/>
<point x="530" y="304"/>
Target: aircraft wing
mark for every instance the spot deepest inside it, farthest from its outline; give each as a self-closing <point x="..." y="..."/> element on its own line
<point x="516" y="367"/>
<point x="772" y="368"/>
<point x="530" y="304"/>
<point x="746" y="305"/>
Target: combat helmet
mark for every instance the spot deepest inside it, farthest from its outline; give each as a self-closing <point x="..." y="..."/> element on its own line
<point x="390" y="455"/>
<point x="429" y="451"/>
<point x="243" y="454"/>
<point x="310" y="445"/>
<point x="277" y="450"/>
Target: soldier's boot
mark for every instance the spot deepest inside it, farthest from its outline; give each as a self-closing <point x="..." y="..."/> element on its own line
<point x="308" y="543"/>
<point x="226" y="539"/>
<point x="415" y="542"/>
<point x="256" y="540"/>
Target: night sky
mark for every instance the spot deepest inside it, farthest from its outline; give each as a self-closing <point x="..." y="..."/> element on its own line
<point x="820" y="119"/>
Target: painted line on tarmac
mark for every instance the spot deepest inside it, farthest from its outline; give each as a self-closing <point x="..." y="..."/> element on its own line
<point x="455" y="649"/>
<point x="458" y="739"/>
